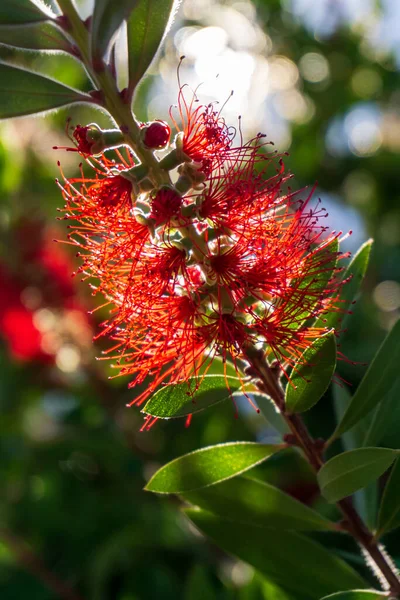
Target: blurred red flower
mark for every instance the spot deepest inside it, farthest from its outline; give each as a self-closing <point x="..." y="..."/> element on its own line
<point x="38" y="283"/>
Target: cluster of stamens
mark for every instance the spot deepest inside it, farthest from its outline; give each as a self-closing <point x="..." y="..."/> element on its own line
<point x="214" y="262"/>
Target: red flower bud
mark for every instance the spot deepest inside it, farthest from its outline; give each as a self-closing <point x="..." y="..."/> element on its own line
<point x="156" y="135"/>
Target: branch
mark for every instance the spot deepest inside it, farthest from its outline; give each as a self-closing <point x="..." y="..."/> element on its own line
<point x="312" y="449"/>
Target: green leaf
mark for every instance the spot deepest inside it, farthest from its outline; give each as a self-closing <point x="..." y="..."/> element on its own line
<point x="312" y="374"/>
<point x="268" y="591"/>
<point x="366" y="499"/>
<point x="389" y="512"/>
<point x="347" y="472"/>
<point x="270" y="412"/>
<point x="147" y="25"/>
<point x="341" y="399"/>
<point x="108" y="16"/>
<point x="26" y="93"/>
<point x="385" y="421"/>
<point x="378" y="380"/>
<point x="207" y="466"/>
<point x="260" y="588"/>
<point x="198" y="585"/>
<point x="40" y="36"/>
<point x="219" y="367"/>
<point x="246" y="500"/>
<point x="291" y="560"/>
<point x="357" y="595"/>
<point x="175" y="401"/>
<point x="319" y="266"/>
<point x="22" y="12"/>
<point x="353" y="275"/>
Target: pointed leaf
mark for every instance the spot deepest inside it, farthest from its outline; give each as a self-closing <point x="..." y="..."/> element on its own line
<point x="389" y="512"/>
<point x="378" y="380"/>
<point x="385" y="422"/>
<point x="246" y="500"/>
<point x="176" y="401"/>
<point x="366" y="499"/>
<point x="291" y="560"/>
<point x="357" y="595"/>
<point x="108" y="16"/>
<point x="26" y="93"/>
<point x="208" y="466"/>
<point x="21" y="12"/>
<point x="312" y="374"/>
<point x="40" y="36"/>
<point x="270" y="412"/>
<point x="341" y="399"/>
<point x="268" y="591"/>
<point x="345" y="473"/>
<point x="147" y="26"/>
<point x="353" y="275"/>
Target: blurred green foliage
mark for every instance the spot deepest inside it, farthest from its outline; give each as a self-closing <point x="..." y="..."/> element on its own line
<point x="73" y="462"/>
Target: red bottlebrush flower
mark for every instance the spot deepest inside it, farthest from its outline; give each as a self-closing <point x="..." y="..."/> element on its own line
<point x="111" y="193"/>
<point x="284" y="331"/>
<point x="232" y="264"/>
<point x="104" y="196"/>
<point x="237" y="192"/>
<point x="205" y="137"/>
<point x="156" y="135"/>
<point x="175" y="346"/>
<point x="165" y="205"/>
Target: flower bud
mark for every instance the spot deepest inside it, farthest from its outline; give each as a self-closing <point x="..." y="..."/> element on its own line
<point x="156" y="135"/>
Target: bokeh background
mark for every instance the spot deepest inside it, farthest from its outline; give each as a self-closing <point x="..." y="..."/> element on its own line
<point x="321" y="79"/>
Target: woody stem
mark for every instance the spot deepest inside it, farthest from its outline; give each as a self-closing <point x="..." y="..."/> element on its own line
<point x="269" y="384"/>
<point x="113" y="101"/>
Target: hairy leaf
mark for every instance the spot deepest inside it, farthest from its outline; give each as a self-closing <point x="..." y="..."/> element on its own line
<point x="357" y="595"/>
<point x="208" y="466"/>
<point x="378" y="380"/>
<point x="269" y="411"/>
<point x="293" y="561"/>
<point x="177" y="401"/>
<point x="385" y="421"/>
<point x="246" y="500"/>
<point x="22" y="12"/>
<point x="345" y="473"/>
<point x="26" y="93"/>
<point x="39" y="36"/>
<point x="389" y="512"/>
<point x="147" y="25"/>
<point x="366" y="499"/>
<point x="108" y="16"/>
